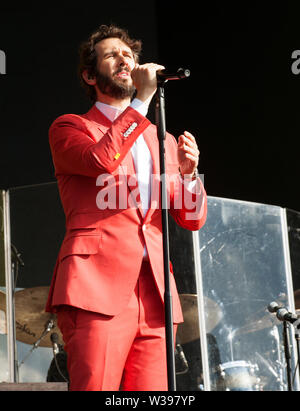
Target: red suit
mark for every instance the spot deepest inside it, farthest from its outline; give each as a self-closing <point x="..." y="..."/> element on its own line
<point x="100" y="260"/>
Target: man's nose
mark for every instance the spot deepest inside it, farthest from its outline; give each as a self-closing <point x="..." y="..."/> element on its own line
<point x="122" y="61"/>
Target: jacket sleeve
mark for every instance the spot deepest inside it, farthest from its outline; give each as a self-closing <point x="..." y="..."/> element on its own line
<point x="75" y="151"/>
<point x="187" y="207"/>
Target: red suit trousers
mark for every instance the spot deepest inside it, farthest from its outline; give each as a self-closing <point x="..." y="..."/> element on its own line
<point x="123" y="352"/>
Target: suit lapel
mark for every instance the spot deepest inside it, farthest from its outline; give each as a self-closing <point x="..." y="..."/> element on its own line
<point x="129" y="172"/>
<point x="153" y="145"/>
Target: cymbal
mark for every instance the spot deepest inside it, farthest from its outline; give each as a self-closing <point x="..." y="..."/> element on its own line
<point x="264" y="320"/>
<point x="189" y="330"/>
<point x="30" y="315"/>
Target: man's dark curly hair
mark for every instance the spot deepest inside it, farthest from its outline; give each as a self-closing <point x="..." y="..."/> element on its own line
<point x="88" y="55"/>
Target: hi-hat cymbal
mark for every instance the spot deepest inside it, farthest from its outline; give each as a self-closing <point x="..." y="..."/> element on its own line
<point x="189" y="330"/>
<point x="30" y="315"/>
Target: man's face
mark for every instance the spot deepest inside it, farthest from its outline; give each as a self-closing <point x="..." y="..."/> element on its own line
<point x="115" y="62"/>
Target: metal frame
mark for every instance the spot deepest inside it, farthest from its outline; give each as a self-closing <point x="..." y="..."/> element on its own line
<point x="203" y="344"/>
<point x="290" y="288"/>
<point x="10" y="309"/>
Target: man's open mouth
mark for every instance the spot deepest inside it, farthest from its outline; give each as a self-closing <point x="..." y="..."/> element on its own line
<point x="122" y="74"/>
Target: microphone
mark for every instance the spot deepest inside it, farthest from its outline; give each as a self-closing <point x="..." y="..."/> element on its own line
<point x="165" y="75"/>
<point x="182" y="365"/>
<point x="17" y="255"/>
<point x="284" y="315"/>
<point x="273" y="307"/>
<point x="54" y="340"/>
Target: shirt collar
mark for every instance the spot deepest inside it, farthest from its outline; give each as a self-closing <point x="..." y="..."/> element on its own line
<point x="110" y="112"/>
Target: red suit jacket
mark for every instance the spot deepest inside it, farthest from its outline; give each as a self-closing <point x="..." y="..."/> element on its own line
<point x="100" y="258"/>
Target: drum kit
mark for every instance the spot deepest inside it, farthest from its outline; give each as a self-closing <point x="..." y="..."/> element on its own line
<point x="234" y="375"/>
<point x="35" y="327"/>
<point x="30" y="315"/>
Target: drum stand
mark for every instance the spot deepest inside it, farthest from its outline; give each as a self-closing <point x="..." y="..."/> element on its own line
<point x="16" y="262"/>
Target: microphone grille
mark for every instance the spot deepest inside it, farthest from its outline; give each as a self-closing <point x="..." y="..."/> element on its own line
<point x="183" y="72"/>
<point x="54" y="337"/>
<point x="273" y="307"/>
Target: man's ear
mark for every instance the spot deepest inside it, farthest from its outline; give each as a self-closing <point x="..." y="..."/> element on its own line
<point x="91" y="80"/>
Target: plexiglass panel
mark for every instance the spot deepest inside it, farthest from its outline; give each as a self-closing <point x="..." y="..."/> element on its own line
<point x="37" y="229"/>
<point x="243" y="267"/>
<point x="293" y="222"/>
<point x="188" y="359"/>
<point x="4" y="365"/>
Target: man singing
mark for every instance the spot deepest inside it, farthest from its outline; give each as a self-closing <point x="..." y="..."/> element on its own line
<point x="108" y="284"/>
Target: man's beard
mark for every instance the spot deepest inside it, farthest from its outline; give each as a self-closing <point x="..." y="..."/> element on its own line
<point x="117" y="88"/>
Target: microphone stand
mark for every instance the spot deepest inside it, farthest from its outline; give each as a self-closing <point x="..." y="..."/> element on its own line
<point x="16" y="262"/>
<point x="48" y="327"/>
<point x="297" y="337"/>
<point x="287" y="355"/>
<point x="161" y="134"/>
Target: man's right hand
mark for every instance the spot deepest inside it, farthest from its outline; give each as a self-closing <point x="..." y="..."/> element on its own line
<point x="144" y="80"/>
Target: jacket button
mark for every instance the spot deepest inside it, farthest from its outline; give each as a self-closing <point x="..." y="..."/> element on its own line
<point x="144" y="227"/>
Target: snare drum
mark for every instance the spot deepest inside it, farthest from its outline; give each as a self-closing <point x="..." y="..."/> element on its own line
<point x="238" y="376"/>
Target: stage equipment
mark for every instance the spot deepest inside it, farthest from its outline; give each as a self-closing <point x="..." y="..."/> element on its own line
<point x="242" y="262"/>
<point x="189" y="330"/>
<point x="297" y="338"/>
<point x="32" y="231"/>
<point x="227" y="273"/>
<point x="58" y="368"/>
<point x="33" y="324"/>
<point x="181" y="363"/>
<point x="238" y="376"/>
<point x="287" y="318"/>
